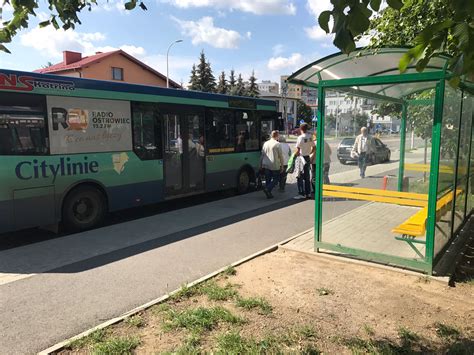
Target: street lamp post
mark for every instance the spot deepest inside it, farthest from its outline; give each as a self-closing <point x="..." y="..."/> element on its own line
<point x="167" y="53"/>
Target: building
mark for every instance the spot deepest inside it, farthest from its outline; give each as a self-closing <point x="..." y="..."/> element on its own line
<point x="268" y="86"/>
<point x="290" y="90"/>
<point x="287" y="107"/>
<point x="115" y="66"/>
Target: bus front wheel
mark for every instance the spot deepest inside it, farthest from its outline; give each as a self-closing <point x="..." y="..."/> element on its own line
<point x="83" y="208"/>
<point x="243" y="181"/>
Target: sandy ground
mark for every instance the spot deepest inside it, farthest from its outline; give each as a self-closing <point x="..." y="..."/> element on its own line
<point x="352" y="308"/>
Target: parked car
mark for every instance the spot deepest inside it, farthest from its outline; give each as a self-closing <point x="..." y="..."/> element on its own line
<point x="381" y="155"/>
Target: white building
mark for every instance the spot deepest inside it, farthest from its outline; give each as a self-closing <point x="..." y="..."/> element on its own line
<point x="268" y="86"/>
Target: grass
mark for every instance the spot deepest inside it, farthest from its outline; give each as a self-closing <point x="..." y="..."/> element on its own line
<point x="369" y="330"/>
<point x="230" y="271"/>
<point x="233" y="343"/>
<point x="136" y="321"/>
<point x="217" y="293"/>
<point x="114" y="346"/>
<point x="323" y="291"/>
<point x="407" y="337"/>
<point x="255" y="302"/>
<point x="183" y="293"/>
<point x="199" y="319"/>
<point x="97" y="343"/>
<point x="447" y="332"/>
<point x="93" y="338"/>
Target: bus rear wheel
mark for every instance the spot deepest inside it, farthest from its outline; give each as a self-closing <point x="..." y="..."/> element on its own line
<point x="83" y="208"/>
<point x="243" y="182"/>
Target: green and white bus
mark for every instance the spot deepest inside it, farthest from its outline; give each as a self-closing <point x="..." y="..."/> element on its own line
<point x="73" y="149"/>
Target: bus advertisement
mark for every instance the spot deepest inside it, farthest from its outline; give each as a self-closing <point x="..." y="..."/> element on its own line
<point x="73" y="149"/>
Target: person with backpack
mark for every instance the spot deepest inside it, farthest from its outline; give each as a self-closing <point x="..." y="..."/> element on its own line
<point x="304" y="148"/>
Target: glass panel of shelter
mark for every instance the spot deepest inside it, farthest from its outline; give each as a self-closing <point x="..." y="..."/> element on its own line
<point x="362" y="207"/>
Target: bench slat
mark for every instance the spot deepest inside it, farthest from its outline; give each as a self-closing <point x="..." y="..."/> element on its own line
<point x="375" y="198"/>
<point x="384" y="193"/>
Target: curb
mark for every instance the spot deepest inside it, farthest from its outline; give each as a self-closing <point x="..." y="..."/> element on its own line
<point x="59" y="346"/>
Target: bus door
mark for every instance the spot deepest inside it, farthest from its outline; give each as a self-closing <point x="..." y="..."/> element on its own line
<point x="184" y="158"/>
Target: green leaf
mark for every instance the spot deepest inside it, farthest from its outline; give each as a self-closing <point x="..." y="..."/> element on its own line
<point x="323" y="20"/>
<point x="130" y="5"/>
<point x="357" y="21"/>
<point x="143" y="6"/>
<point x="344" y="41"/>
<point x="395" y="4"/>
<point x="375" y="4"/>
<point x="44" y="24"/>
<point x="4" y="49"/>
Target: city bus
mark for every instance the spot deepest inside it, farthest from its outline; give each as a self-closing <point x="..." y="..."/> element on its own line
<point x="72" y="149"/>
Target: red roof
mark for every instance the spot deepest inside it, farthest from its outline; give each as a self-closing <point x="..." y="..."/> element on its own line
<point x="89" y="60"/>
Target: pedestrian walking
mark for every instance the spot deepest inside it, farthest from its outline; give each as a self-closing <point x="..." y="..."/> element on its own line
<point x="326" y="166"/>
<point x="271" y="162"/>
<point x="304" y="148"/>
<point x="286" y="152"/>
<point x="363" y="148"/>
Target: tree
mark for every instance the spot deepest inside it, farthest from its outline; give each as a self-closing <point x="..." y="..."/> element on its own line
<point x="63" y="13"/>
<point x="194" y="80"/>
<point x="252" y="90"/>
<point x="232" y="90"/>
<point x="222" y="85"/>
<point x="304" y="112"/>
<point x="206" y="80"/>
<point x="360" y="120"/>
<point x="428" y="26"/>
<point x="240" y="86"/>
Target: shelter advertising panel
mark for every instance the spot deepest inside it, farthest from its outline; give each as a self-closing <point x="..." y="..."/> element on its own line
<point x="78" y="125"/>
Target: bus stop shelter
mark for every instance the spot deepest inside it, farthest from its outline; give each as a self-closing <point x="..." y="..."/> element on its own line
<point x="405" y="211"/>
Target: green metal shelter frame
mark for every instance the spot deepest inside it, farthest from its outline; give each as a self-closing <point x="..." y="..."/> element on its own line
<point x="375" y="75"/>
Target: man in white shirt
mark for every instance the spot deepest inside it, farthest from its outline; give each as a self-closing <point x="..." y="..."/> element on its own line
<point x="272" y="163"/>
<point x="362" y="149"/>
<point x="304" y="147"/>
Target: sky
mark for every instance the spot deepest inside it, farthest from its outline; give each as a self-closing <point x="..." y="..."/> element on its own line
<point x="270" y="37"/>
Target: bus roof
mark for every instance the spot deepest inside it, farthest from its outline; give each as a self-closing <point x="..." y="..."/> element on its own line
<point x="48" y="84"/>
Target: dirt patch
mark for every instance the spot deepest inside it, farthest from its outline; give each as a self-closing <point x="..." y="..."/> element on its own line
<point x="292" y="302"/>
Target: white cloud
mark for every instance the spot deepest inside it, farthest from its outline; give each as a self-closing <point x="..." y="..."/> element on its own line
<point x="257" y="7"/>
<point x="249" y="35"/>
<point x="59" y="40"/>
<point x="278" y="49"/>
<point x="112" y="5"/>
<point x="316" y="33"/>
<point x="204" y="31"/>
<point x="315" y="7"/>
<point x="363" y="41"/>
<point x="293" y="62"/>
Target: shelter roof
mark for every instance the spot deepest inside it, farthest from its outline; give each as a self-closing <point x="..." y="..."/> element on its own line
<point x="366" y="63"/>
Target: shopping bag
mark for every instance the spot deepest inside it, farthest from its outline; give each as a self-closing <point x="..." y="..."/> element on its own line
<point x="291" y="164"/>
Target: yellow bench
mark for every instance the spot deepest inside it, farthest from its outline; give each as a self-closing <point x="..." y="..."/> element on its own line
<point x="374" y="195"/>
<point x="415" y="226"/>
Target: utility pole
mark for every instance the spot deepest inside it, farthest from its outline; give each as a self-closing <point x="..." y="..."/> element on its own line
<point x="284" y="93"/>
<point x="167" y="54"/>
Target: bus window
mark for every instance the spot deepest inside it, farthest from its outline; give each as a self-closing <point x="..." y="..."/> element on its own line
<point x="146" y="132"/>
<point x="247" y="133"/>
<point x="22" y="125"/>
<point x="220" y="131"/>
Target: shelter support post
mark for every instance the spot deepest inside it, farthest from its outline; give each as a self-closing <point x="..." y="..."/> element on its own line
<point x="434" y="174"/>
<point x="318" y="183"/>
<point x="401" y="166"/>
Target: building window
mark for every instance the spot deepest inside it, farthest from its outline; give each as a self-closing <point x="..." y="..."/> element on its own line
<point x="117" y="74"/>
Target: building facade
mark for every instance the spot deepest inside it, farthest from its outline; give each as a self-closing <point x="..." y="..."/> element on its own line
<point x="114" y="66"/>
<point x="268" y="86"/>
<point x="287" y="107"/>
